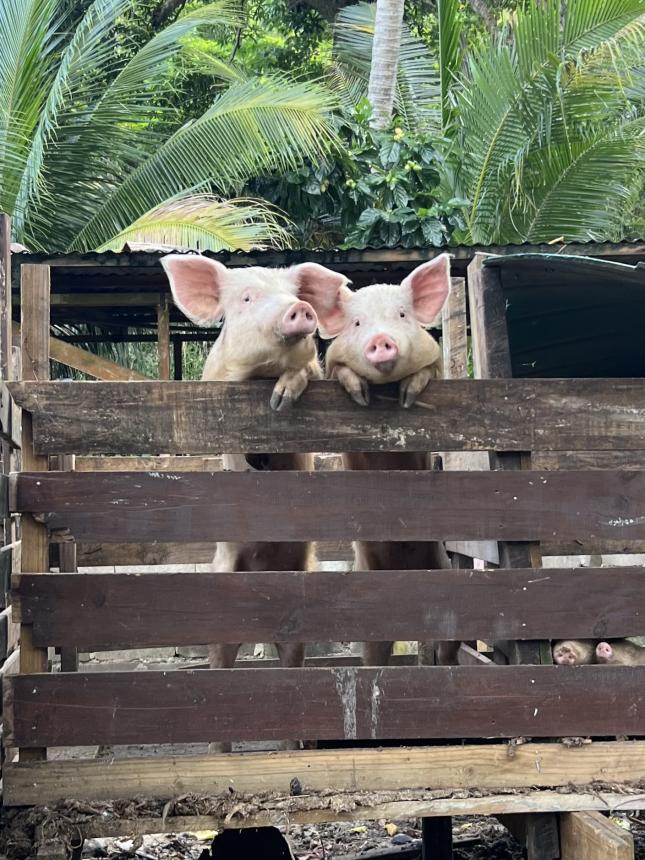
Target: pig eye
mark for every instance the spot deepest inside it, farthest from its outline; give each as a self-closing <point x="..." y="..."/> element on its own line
<point x="246" y="297"/>
<point x="402" y="314"/>
<point x="357" y="323"/>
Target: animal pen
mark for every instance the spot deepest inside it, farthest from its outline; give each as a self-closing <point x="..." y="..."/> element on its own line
<point x="533" y="465"/>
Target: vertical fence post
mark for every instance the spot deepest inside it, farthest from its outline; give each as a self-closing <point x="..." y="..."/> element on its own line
<point x="34" y="303"/>
<point x="163" y="337"/>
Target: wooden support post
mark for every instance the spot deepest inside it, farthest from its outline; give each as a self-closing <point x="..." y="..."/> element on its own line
<point x="163" y="337"/>
<point x="536" y="833"/>
<point x="178" y="358"/>
<point x="436" y="838"/>
<point x="67" y="564"/>
<point x="35" y="367"/>
<point x="591" y="836"/>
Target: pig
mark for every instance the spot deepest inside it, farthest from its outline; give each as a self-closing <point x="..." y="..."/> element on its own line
<point x="620" y="653"/>
<point x="379" y="337"/>
<point x="574" y="652"/>
<point x="268" y="332"/>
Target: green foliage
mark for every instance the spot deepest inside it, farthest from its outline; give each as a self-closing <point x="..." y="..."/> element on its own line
<point x="548" y="139"/>
<point x="380" y="191"/>
<point x="90" y="142"/>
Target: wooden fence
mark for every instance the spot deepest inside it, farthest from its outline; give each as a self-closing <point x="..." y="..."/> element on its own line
<point x="574" y="507"/>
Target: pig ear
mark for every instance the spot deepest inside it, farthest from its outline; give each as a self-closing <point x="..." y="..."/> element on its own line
<point x="325" y="291"/>
<point x="430" y="285"/>
<point x="196" y="284"/>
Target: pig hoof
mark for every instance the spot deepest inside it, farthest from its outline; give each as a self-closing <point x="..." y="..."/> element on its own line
<point x="407" y="398"/>
<point x="361" y="395"/>
<point x="280" y="400"/>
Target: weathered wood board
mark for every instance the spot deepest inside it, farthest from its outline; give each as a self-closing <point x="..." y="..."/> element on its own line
<point x="94" y="611"/>
<point x="277" y="506"/>
<point x="457" y="414"/>
<point x="73" y="709"/>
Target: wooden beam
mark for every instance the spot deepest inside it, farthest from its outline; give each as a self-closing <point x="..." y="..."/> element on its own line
<point x="87" y="362"/>
<point x="399" y="703"/>
<point x="34" y="292"/>
<point x="233" y="506"/>
<point x="105" y="610"/>
<point x="452" y="414"/>
<point x="163" y="337"/>
<point x="591" y="836"/>
<point x="487" y="767"/>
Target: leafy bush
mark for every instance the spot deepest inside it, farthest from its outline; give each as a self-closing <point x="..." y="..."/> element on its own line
<point x="379" y="190"/>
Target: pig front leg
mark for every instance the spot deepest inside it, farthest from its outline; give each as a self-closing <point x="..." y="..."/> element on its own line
<point x="292" y="384"/>
<point x="221" y="657"/>
<point x="411" y="386"/>
<point x="357" y="387"/>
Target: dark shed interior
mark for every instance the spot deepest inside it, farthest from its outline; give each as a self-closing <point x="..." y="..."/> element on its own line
<point x="573" y="316"/>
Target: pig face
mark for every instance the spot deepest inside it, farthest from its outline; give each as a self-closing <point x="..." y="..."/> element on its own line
<point x="378" y="330"/>
<point x="269" y="316"/>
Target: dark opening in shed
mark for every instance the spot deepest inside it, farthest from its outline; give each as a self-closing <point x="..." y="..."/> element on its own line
<point x="573" y="316"/>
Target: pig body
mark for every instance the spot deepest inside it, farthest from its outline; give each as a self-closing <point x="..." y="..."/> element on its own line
<point x="268" y="332"/>
<point x="574" y="652"/>
<point x="379" y="339"/>
<point x="620" y="653"/>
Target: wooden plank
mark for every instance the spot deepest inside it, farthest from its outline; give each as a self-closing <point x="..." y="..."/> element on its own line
<point x="227" y="506"/>
<point x="452" y="414"/>
<point x="454" y="332"/>
<point x="491" y="352"/>
<point x="591" y="836"/>
<point x="34" y="350"/>
<point x="483" y="766"/>
<point x="163" y="337"/>
<point x="87" y="362"/>
<point x="148" y="464"/>
<point x="552" y="460"/>
<point x="101" y="611"/>
<point x="273" y="813"/>
<point x="353" y="703"/>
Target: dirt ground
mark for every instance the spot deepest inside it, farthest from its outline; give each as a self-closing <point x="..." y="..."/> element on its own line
<point x="474" y="839"/>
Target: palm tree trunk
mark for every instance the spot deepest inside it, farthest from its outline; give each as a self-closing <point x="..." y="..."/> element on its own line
<point x="385" y="59"/>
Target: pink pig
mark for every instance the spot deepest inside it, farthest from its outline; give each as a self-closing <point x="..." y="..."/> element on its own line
<point x="379" y="338"/>
<point x="268" y="333"/>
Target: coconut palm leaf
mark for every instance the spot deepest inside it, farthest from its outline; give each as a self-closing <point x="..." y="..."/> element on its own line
<point x="540" y="99"/>
<point x="450" y="55"/>
<point x="253" y="127"/>
<point x="205" y="223"/>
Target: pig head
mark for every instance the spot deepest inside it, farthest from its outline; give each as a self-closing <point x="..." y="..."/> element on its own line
<point x="380" y="336"/>
<point x="269" y="318"/>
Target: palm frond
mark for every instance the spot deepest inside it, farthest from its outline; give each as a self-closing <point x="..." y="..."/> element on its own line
<point x="588" y="23"/>
<point x="107" y="129"/>
<point x="254" y="127"/>
<point x="206" y="223"/>
<point x="28" y="42"/>
<point x="450" y="55"/>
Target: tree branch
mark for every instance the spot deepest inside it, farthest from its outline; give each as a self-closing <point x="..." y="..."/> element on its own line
<point x="166" y="9"/>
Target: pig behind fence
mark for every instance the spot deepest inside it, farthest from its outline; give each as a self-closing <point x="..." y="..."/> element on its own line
<point x="379" y="338"/>
<point x="269" y="324"/>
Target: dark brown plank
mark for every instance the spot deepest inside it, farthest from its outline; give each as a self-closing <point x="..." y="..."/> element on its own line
<point x="271" y="704"/>
<point x="452" y="414"/>
<point x="294" y="506"/>
<point x="94" y="611"/>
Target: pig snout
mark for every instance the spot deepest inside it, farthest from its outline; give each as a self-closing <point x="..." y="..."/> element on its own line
<point x="604" y="651"/>
<point x="382" y="352"/>
<point x="299" y="321"/>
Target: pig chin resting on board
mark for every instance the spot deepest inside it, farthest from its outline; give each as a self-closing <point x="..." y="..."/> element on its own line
<point x="270" y="317"/>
